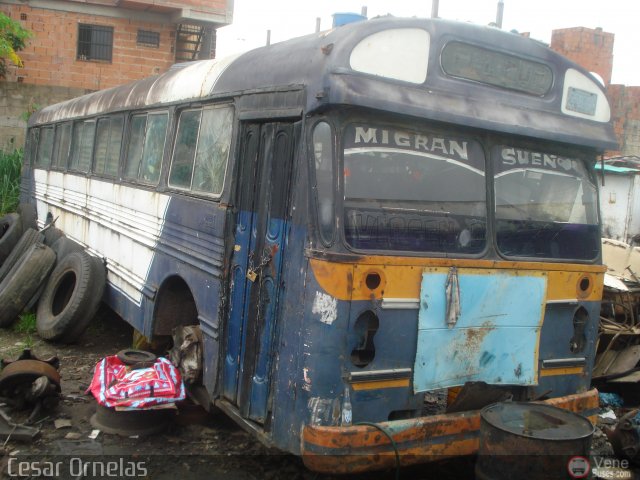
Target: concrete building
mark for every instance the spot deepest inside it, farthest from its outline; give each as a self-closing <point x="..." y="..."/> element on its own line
<point x="86" y="45"/>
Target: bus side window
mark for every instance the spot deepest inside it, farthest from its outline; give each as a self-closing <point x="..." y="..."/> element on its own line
<point x="155" y="137"/>
<point x="136" y="144"/>
<point x="146" y="147"/>
<point x="323" y="161"/>
<point x="32" y="146"/>
<point x="213" y="150"/>
<point x="61" y="145"/>
<point x="82" y="145"/>
<point x="108" y="143"/>
<point x="45" y="146"/>
<point x="185" y="149"/>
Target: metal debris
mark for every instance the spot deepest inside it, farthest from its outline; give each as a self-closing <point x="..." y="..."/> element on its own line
<point x="187" y="352"/>
<point x="14" y="431"/>
<point x="30" y="382"/>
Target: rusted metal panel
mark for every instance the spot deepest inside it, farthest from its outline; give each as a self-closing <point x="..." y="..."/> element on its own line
<point x="361" y="448"/>
<point x="493" y="338"/>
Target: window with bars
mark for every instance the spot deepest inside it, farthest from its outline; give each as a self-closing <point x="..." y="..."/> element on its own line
<point x="148" y="38"/>
<point x="95" y="42"/>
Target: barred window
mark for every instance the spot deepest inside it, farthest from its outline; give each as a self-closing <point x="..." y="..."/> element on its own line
<point x="148" y="38"/>
<point x="95" y="42"/>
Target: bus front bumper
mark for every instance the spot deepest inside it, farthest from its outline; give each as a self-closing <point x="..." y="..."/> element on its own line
<point x="361" y="448"/>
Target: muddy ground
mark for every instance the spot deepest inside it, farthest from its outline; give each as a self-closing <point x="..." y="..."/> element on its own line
<point x="197" y="445"/>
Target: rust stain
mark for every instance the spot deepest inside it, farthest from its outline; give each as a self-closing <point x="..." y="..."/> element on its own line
<point x="475" y="336"/>
<point x="361" y="448"/>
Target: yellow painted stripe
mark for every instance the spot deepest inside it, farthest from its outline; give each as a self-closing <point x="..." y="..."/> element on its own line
<point x="401" y="279"/>
<point x="376" y="384"/>
<point x="552" y="372"/>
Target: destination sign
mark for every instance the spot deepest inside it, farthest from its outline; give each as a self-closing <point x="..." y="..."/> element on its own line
<point x="496" y="68"/>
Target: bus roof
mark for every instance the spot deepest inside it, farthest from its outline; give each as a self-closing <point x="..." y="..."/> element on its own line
<point x="509" y="83"/>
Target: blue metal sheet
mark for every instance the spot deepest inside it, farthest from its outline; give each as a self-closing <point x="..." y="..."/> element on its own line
<point x="495" y="338"/>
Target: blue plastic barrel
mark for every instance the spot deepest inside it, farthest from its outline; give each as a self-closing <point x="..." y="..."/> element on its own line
<point x="340" y="19"/>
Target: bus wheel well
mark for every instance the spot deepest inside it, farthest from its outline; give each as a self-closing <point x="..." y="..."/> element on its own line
<point x="175" y="306"/>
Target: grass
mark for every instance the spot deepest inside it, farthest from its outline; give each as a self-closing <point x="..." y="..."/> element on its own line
<point x="26" y="324"/>
<point x="10" y="165"/>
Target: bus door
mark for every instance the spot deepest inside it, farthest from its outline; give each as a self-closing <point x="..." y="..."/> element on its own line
<point x="262" y="201"/>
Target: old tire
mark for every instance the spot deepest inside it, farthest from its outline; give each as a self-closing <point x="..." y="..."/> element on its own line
<point x="136" y="358"/>
<point x="51" y="234"/>
<point x="71" y="297"/>
<point x="64" y="246"/>
<point x="29" y="237"/>
<point x="28" y="215"/>
<point x="22" y="282"/>
<point x="10" y="231"/>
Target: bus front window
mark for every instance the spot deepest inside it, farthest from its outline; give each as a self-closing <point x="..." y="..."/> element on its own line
<point x="546" y="205"/>
<point x="414" y="191"/>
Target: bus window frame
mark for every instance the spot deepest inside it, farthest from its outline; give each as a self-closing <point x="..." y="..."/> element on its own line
<point x="587" y="156"/>
<point x="33" y="137"/>
<point x="126" y="145"/>
<point x="92" y="169"/>
<point x="314" y="183"/>
<point x="55" y="152"/>
<point x="69" y="167"/>
<point x="398" y="122"/>
<point x="174" y="127"/>
<point x="40" y="129"/>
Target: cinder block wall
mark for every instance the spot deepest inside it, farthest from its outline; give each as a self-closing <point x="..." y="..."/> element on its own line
<point x="17" y="100"/>
<point x="50" y="58"/>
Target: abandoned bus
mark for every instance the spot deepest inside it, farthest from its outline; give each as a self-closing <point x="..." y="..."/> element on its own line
<point x="359" y="220"/>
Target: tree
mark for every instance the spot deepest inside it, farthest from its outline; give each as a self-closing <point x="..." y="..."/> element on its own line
<point x="13" y="37"/>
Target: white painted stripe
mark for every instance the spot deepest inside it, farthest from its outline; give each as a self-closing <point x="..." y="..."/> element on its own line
<point x="119" y="222"/>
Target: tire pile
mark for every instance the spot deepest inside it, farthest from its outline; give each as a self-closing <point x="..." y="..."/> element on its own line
<point x="47" y="272"/>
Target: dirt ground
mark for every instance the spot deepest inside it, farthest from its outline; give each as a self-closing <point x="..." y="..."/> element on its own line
<point x="196" y="445"/>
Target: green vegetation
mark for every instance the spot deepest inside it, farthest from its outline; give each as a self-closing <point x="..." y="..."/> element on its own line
<point x="10" y="164"/>
<point x="26" y="324"/>
<point x="13" y="38"/>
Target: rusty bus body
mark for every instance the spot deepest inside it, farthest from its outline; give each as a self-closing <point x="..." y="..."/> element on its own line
<point x="382" y="211"/>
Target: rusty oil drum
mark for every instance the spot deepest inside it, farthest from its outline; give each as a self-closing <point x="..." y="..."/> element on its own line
<point x="532" y="441"/>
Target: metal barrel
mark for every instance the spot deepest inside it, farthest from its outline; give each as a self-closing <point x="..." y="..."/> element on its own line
<point x="532" y="441"/>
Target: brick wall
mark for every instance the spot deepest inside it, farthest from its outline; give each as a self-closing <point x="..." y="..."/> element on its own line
<point x="50" y="58"/>
<point x="593" y="50"/>
<point x="589" y="48"/>
<point x="17" y="100"/>
<point x="625" y="108"/>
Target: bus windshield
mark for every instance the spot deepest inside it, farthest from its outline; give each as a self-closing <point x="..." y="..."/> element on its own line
<point x="546" y="205"/>
<point x="413" y="191"/>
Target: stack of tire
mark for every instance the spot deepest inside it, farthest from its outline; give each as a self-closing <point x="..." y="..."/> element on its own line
<point x="46" y="271"/>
